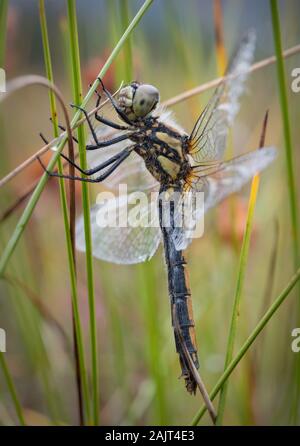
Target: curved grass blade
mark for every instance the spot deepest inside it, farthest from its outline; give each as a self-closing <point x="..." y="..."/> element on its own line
<point x="240" y="279"/>
<point x="4" y="367"/>
<point x="81" y="377"/>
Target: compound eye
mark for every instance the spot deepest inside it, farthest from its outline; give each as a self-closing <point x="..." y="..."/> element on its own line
<point x="145" y="99"/>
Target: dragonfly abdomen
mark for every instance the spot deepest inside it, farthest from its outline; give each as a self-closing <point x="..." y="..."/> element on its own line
<point x="181" y="304"/>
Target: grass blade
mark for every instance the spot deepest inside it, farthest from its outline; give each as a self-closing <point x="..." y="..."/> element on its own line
<point x="286" y="127"/>
<point x="147" y="280"/>
<point x="12" y="390"/>
<point x="290" y="170"/>
<point x="77" y="97"/>
<point x="247" y="344"/>
<point x="3" y="18"/>
<point x="240" y="279"/>
<point x="6" y="372"/>
<point x="238" y="293"/>
<point x="81" y="377"/>
<point x="128" y="67"/>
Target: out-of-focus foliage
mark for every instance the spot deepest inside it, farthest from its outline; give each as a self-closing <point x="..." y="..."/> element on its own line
<point x="173" y="48"/>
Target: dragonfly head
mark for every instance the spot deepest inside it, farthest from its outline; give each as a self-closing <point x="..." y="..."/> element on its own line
<point x="138" y="100"/>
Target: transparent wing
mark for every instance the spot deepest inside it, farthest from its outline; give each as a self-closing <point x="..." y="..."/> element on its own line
<point x="124" y="229"/>
<point x="176" y="221"/>
<point x="218" y="182"/>
<point x="131" y="172"/>
<point x="208" y="138"/>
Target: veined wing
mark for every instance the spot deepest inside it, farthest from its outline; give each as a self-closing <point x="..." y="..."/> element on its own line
<point x="131" y="172"/>
<point x="208" y="138"/>
<point x="219" y="181"/>
<point x="125" y="229"/>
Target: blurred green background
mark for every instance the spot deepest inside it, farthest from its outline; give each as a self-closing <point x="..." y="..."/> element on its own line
<point x="173" y="48"/>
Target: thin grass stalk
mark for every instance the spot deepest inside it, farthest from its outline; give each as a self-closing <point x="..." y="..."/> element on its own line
<point x="249" y="341"/>
<point x="3" y="18"/>
<point x="290" y="170"/>
<point x="4" y="367"/>
<point x="12" y="390"/>
<point x="128" y="66"/>
<point x="146" y="275"/>
<point x="286" y="128"/>
<point x="77" y="96"/>
<point x="116" y="331"/>
<point x="238" y="294"/>
<point x="12" y="87"/>
<point x="80" y="370"/>
<point x="23" y="221"/>
<point x="222" y="61"/>
<point x="219" y="37"/>
<point x="41" y="308"/>
<point x="240" y="280"/>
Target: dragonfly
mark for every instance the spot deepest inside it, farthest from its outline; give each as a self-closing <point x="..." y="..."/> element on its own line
<point x="146" y="149"/>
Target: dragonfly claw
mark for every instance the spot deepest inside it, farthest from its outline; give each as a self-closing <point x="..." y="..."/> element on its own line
<point x="43" y="165"/>
<point x="102" y="84"/>
<point x="43" y="138"/>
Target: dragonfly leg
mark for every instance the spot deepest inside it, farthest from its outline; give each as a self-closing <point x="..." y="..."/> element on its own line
<point x="61" y="127"/>
<point x="115" y="105"/>
<point x="97" y="94"/>
<point x="106" y="121"/>
<point x="109" y="123"/>
<point x="87" y="120"/>
<point x="96" y="169"/>
<point x="45" y="140"/>
<point x="103" y="120"/>
<point x="109" y="142"/>
<point x="115" y="161"/>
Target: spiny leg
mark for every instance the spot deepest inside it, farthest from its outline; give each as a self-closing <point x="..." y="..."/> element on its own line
<point x="115" y="105"/>
<point x="87" y="171"/>
<point x="110" y="123"/>
<point x="88" y="121"/>
<point x="109" y="142"/>
<point x="89" y="180"/>
<point x="45" y="140"/>
<point x="101" y="144"/>
<point x="101" y="166"/>
<point x="97" y="168"/>
<point x="61" y="127"/>
<point x="103" y="120"/>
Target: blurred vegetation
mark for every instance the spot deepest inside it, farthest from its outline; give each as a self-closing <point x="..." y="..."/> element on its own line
<point x="174" y="48"/>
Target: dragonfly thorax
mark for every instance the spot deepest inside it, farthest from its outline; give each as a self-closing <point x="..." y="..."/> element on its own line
<point x="138" y="100"/>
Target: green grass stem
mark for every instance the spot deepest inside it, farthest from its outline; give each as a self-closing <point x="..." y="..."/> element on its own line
<point x="290" y="172"/>
<point x="78" y="341"/>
